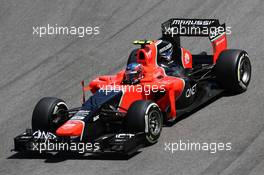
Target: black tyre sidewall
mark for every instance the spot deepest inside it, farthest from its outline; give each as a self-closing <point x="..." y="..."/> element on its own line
<point x="135" y="120"/>
<point x="226" y="70"/>
<point x="43" y="112"/>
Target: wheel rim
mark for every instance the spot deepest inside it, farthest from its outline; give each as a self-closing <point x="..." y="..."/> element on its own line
<point x="245" y="71"/>
<point x="154" y="123"/>
<point x="58" y="117"/>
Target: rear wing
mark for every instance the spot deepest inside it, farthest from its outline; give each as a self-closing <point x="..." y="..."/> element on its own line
<point x="175" y="28"/>
<point x="193" y="27"/>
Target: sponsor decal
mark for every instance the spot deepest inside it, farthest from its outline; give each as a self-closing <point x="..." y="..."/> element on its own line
<point x="192" y="22"/>
<point x="96" y="118"/>
<point x="68" y="125"/>
<point x="191" y="91"/>
<point x="123" y="135"/>
<point x="83" y="112"/>
<point x="77" y="117"/>
<point x="80" y="115"/>
<point x="43" y="135"/>
<point x="165" y="48"/>
<point x="186" y="58"/>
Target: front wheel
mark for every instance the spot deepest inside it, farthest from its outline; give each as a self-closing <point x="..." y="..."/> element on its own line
<point x="49" y="114"/>
<point x="145" y="116"/>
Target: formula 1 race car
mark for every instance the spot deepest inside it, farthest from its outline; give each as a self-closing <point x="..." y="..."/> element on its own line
<point x="123" y="115"/>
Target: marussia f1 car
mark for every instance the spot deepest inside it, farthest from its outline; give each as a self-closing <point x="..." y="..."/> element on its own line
<point x="122" y="120"/>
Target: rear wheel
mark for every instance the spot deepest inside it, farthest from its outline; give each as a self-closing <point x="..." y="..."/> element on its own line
<point x="145" y="116"/>
<point x="233" y="70"/>
<point x="49" y="114"/>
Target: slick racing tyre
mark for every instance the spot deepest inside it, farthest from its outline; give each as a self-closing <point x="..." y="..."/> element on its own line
<point x="49" y="114"/>
<point x="132" y="57"/>
<point x="233" y="70"/>
<point x="145" y="116"/>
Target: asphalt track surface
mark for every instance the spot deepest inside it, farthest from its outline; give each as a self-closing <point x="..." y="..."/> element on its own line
<point x="32" y="67"/>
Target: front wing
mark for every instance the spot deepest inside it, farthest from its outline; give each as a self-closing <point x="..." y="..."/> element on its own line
<point x="123" y="143"/>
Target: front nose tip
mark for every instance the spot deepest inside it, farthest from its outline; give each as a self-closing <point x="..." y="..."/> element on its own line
<point x="71" y="128"/>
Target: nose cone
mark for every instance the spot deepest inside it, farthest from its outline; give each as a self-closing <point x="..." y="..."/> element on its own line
<point x="71" y="128"/>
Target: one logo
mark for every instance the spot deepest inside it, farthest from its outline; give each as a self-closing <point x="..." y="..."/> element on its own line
<point x="44" y="135"/>
<point x="191" y="91"/>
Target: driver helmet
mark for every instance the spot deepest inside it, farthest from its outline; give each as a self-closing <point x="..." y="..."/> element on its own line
<point x="165" y="49"/>
<point x="133" y="73"/>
